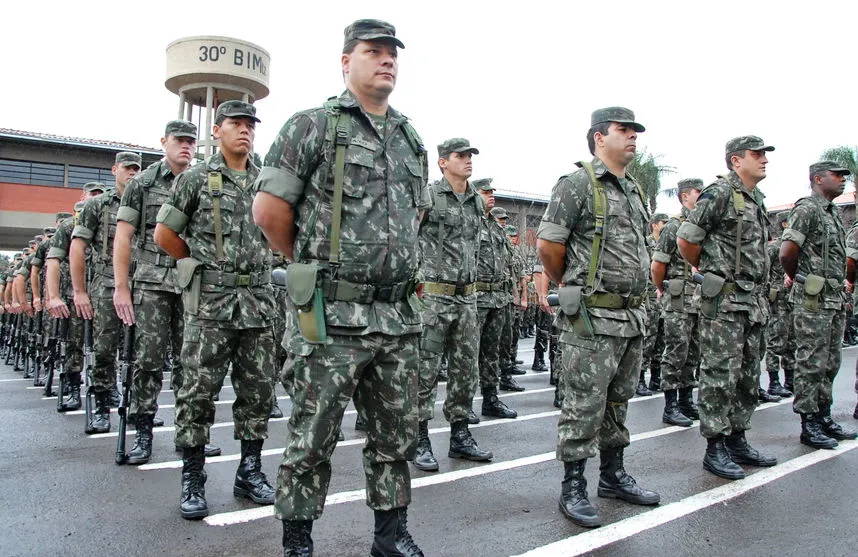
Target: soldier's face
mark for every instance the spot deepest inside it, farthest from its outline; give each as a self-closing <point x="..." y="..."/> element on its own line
<point x="489" y="198"/>
<point x="371" y="68"/>
<point x="620" y="143"/>
<point x="514" y="240"/>
<point x="123" y="173"/>
<point x="236" y="135"/>
<point x="457" y="165"/>
<point x="752" y="165"/>
<point x="179" y="150"/>
<point x="830" y="184"/>
<point x="690" y="198"/>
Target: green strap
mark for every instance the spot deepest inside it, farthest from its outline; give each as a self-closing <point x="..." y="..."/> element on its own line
<point x="341" y="142"/>
<point x="141" y="226"/>
<point x="686" y="266"/>
<point x="739" y="205"/>
<point x="105" y="230"/>
<point x="600" y="204"/>
<point x="441" y="211"/>
<point x="216" y="191"/>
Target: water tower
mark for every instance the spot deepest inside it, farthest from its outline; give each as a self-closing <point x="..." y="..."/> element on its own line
<point x="205" y="71"/>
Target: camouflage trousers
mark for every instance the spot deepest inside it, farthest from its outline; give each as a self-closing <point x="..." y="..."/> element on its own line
<point x="598" y="377"/>
<point x="729" y="372"/>
<point x="160" y="322"/>
<point x="543" y="331"/>
<point x="818" y="337"/>
<point x="780" y="337"/>
<point x="380" y="372"/>
<point x="555" y="358"/>
<point x="509" y="339"/>
<point x="106" y="338"/>
<point x="451" y="329"/>
<point x="681" y="354"/>
<point x="654" y="341"/>
<point x="207" y="352"/>
<point x="491" y="324"/>
<point x="528" y="319"/>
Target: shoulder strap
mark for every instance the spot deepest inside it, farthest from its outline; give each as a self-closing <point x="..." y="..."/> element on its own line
<point x="739" y="205"/>
<point x="339" y="130"/>
<point x="105" y="229"/>
<point x="416" y="144"/>
<point x="600" y="205"/>
<point x="441" y="211"/>
<point x="146" y="181"/>
<point x="215" y="182"/>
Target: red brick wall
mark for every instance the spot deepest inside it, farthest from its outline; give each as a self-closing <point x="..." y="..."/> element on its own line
<point x="37" y="199"/>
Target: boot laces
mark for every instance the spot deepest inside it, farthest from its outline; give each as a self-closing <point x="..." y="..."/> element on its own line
<point x="404" y="542"/>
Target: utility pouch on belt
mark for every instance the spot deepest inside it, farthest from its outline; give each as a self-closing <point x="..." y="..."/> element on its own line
<point x="710" y="295"/>
<point x="676" y="289"/>
<point x="189" y="282"/>
<point x="813" y="286"/>
<point x="571" y="301"/>
<point x="744" y="291"/>
<point x="302" y="285"/>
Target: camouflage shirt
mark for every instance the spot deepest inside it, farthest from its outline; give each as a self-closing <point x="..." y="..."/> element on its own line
<point x="518" y="272"/>
<point x="677" y="268"/>
<point x="384" y="190"/>
<point x="493" y="265"/>
<point x="141" y="201"/>
<point x="624" y="263"/>
<point x="815" y="226"/>
<point x="190" y="211"/>
<point x="96" y="226"/>
<point x="713" y="225"/>
<point x="449" y="238"/>
<point x="776" y="270"/>
<point x="58" y="248"/>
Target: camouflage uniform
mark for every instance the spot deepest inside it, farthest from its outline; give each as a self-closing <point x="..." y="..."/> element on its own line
<point x="493" y="298"/>
<point x="654" y="338"/>
<point x="852" y="253"/>
<point x="372" y="317"/>
<point x="780" y="333"/>
<point x="232" y="323"/>
<point x="509" y="339"/>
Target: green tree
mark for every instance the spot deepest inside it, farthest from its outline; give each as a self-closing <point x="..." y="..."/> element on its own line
<point x="647" y="171"/>
<point x="844" y="155"/>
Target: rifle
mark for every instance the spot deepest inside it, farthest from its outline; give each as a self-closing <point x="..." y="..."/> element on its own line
<point x="4" y="329"/>
<point x="39" y="344"/>
<point x="48" y="364"/>
<point x="10" y="342"/>
<point x="62" y="342"/>
<point x="28" y="347"/>
<point x="57" y="349"/>
<point x="125" y="373"/>
<point x="88" y="367"/>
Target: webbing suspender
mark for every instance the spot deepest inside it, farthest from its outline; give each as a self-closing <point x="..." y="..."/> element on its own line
<point x="600" y="204"/>
<point x="105" y="230"/>
<point x="343" y="127"/>
<point x="739" y="205"/>
<point x="441" y="211"/>
<point x="141" y="226"/>
<point x="215" y="181"/>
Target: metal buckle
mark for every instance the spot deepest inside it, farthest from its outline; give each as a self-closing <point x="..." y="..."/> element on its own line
<point x="242" y="280"/>
<point x="384" y="292"/>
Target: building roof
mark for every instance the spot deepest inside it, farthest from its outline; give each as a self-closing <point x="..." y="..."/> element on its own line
<point x="845" y="199"/>
<point x="522" y="196"/>
<point x="78" y="141"/>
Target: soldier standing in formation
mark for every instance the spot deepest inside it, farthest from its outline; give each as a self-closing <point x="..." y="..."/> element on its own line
<point x="515" y="311"/>
<point x="780" y="334"/>
<point x="813" y="255"/>
<point x="851" y="265"/>
<point x="654" y="339"/>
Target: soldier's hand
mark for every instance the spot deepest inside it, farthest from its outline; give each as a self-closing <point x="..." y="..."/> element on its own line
<point x="82" y="305"/>
<point x="37" y="304"/>
<point x="58" y="308"/>
<point x="2" y="310"/>
<point x="28" y="309"/>
<point x="16" y="307"/>
<point x="124" y="305"/>
<point x="543" y="304"/>
<point x="849" y="286"/>
<point x="523" y="303"/>
<point x="658" y="293"/>
<point x="787" y="282"/>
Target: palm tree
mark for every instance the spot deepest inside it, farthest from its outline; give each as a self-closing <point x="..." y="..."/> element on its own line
<point x="647" y="172"/>
<point x="845" y="156"/>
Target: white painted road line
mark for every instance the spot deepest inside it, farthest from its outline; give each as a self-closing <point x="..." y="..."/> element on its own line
<point x="598" y="538"/>
<point x="160" y="406"/>
<point x="15" y="379"/>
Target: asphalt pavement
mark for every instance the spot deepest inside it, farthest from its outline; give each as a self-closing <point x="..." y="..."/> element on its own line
<point x="63" y="495"/>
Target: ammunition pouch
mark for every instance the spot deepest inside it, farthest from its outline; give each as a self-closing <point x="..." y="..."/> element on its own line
<point x="711" y="290"/>
<point x="571" y="300"/>
<point x="189" y="282"/>
<point x="676" y="290"/>
<point x="304" y="290"/>
<point x="813" y="287"/>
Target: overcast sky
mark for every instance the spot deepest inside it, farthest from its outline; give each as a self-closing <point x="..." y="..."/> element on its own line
<point x="519" y="80"/>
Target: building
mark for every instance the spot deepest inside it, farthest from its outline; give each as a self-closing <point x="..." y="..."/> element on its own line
<point x="845" y="202"/>
<point x="43" y="174"/>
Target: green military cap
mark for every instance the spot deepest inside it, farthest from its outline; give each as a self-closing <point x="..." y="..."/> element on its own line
<point x="498" y="213"/>
<point x="510" y="230"/>
<point x="127" y="158"/>
<point x="831" y="166"/>
<point x="181" y="128"/>
<point x="456" y="145"/>
<point x="371" y="30"/>
<point x="658" y="217"/>
<point x="90" y="187"/>
<point x="236" y="109"/>
<point x="78" y="207"/>
<point x="689" y="184"/>
<point x="33" y="243"/>
<point x="616" y="114"/>
<point x="782" y="217"/>
<point x="63" y="214"/>
<point x="49" y="230"/>
<point x="484" y="184"/>
<point x="747" y="143"/>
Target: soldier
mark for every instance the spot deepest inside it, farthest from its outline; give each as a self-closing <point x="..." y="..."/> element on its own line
<point x="851" y="258"/>
<point x="529" y="320"/>
<point x="780" y="335"/>
<point x="543" y="324"/>
<point x="228" y="303"/>
<point x="358" y="257"/>
<point x="813" y="254"/>
<point x="654" y="339"/>
<point x="156" y="307"/>
<point x="725" y="237"/>
<point x="550" y="335"/>
<point x="515" y="311"/>
<point x="681" y="344"/>
<point x="449" y="238"/>
<point x="601" y="320"/>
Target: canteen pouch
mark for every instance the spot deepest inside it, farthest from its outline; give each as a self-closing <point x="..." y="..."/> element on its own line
<point x="710" y="295"/>
<point x="813" y="286"/>
<point x="773" y="294"/>
<point x="676" y="289"/>
<point x="744" y="291"/>
<point x="302" y="286"/>
<point x="570" y="300"/>
<point x="189" y="281"/>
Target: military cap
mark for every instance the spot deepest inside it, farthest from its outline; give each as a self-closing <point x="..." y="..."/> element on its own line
<point x="371" y="30"/>
<point x="127" y="158"/>
<point x="456" y="145"/>
<point x="747" y="143"/>
<point x="782" y="217"/>
<point x="689" y="184"/>
<point x="33" y="243"/>
<point x="510" y="230"/>
<point x="658" y="217"/>
<point x="484" y="184"/>
<point x="49" y="230"/>
<point x="78" y="206"/>
<point x="616" y="114"/>
<point x="63" y="214"/>
<point x="831" y="166"/>
<point x="181" y="128"/>
<point x="90" y="187"/>
<point x="498" y="213"/>
<point x="236" y="109"/>
<point x="26" y="251"/>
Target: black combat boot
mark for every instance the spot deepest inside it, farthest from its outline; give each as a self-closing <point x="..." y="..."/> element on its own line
<point x="764" y="396"/>
<point x="250" y="481"/>
<point x="812" y="434"/>
<point x="142" y="449"/>
<point x="391" y="535"/>
<point x="423" y="458"/>
<point x="100" y="422"/>
<point x="72" y="402"/>
<point x="685" y="401"/>
<point x="573" y="496"/>
<point x="193" y="502"/>
<point x="616" y="483"/>
<point x="359" y="424"/>
<point x="741" y="452"/>
<point x="158" y="421"/>
<point x="558" y="397"/>
<point x="832" y="428"/>
<point x="517" y="369"/>
<point x="507" y="383"/>
<point x="115" y="398"/>
<point x="641" y="389"/>
<point x="717" y="460"/>
<point x="296" y="538"/>
<point x="276" y="412"/>
<point x="672" y="415"/>
<point x="462" y="444"/>
<point x="775" y="387"/>
<point x="539" y="364"/>
<point x="473" y="419"/>
<point x="655" y="378"/>
<point x="210" y="450"/>
<point x="493" y="406"/>
<point x="855" y="412"/>
<point x="789" y="376"/>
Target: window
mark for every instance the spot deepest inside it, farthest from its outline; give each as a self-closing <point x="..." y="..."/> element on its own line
<point x="80" y="175"/>
<point x="27" y="172"/>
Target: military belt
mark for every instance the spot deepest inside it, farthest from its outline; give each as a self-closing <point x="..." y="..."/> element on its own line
<point x="607" y="300"/>
<point x="231" y="280"/>
<point x="448" y="288"/>
<point x="159" y="259"/>
<point x="345" y="291"/>
<point x="491" y="286"/>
